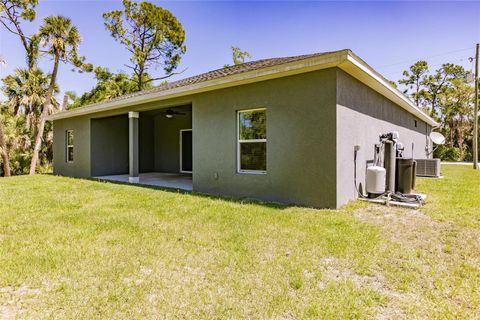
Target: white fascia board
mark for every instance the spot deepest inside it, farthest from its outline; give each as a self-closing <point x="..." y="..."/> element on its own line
<point x="361" y="71"/>
<point x="328" y="60"/>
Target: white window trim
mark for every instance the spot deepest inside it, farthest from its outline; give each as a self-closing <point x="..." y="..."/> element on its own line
<point x="181" y="131"/>
<point x="69" y="145"/>
<point x="239" y="170"/>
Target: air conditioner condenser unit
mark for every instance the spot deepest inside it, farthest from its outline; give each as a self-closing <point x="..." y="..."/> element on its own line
<point x="428" y="167"/>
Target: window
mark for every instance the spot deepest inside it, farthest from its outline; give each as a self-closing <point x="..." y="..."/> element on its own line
<point x="69" y="140"/>
<point x="415" y="123"/>
<point x="252" y="141"/>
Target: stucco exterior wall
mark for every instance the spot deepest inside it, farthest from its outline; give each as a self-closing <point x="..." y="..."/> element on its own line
<point x="167" y="141"/>
<point x="300" y="140"/>
<point x="109" y="146"/>
<point x="314" y="120"/>
<point x="80" y="167"/>
<point x="146" y="147"/>
<point x="362" y="114"/>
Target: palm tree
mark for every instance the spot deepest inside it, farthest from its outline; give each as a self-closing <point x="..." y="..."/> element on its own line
<point x="4" y="151"/>
<point x="61" y="39"/>
<point x="26" y="91"/>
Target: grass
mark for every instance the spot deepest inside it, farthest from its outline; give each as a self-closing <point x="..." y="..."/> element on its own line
<point x="72" y="248"/>
<point x="455" y="197"/>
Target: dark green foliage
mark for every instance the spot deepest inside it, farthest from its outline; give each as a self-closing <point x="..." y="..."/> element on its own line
<point x="447" y="96"/>
<point x="20" y="138"/>
<point x="153" y="36"/>
<point x="253" y="125"/>
<point x="109" y="85"/>
<point x="12" y="14"/>
<point x="238" y="56"/>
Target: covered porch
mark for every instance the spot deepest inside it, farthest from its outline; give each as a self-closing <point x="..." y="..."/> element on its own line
<point x="152" y="147"/>
<point x="157" y="179"/>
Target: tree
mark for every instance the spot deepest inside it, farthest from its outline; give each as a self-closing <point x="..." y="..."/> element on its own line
<point x="152" y="35"/>
<point x="457" y="113"/>
<point x="393" y="83"/>
<point x="436" y="84"/>
<point x="4" y="150"/>
<point x="414" y="79"/>
<point x="448" y="96"/>
<point x="12" y="12"/>
<point x="26" y="91"/>
<point x="238" y="56"/>
<point x="109" y="85"/>
<point x="60" y="38"/>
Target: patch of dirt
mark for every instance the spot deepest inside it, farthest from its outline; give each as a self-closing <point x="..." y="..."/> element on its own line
<point x="335" y="270"/>
<point x="436" y="246"/>
<point x="14" y="301"/>
<point x="407" y="227"/>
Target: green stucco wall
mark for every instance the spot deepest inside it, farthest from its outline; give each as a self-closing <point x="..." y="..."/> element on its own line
<point x="81" y="152"/>
<point x="314" y="120"/>
<point x="167" y="141"/>
<point x="146" y="147"/>
<point x="300" y="131"/>
<point x="109" y="146"/>
<point x="362" y="114"/>
<point x="300" y="140"/>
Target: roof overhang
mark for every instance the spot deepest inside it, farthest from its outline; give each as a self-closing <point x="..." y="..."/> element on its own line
<point x="344" y="59"/>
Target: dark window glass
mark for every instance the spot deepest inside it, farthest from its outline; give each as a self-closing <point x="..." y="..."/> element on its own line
<point x="69" y="139"/>
<point x="70" y="154"/>
<point x="253" y="156"/>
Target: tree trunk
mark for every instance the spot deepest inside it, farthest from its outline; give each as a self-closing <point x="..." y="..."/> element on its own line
<point x="43" y="116"/>
<point x="432" y="112"/>
<point x="460" y="140"/>
<point x="4" y="151"/>
<point x="140" y="80"/>
<point x="452" y="132"/>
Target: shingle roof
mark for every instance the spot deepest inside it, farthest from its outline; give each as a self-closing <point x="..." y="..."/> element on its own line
<point x="256" y="71"/>
<point x="215" y="74"/>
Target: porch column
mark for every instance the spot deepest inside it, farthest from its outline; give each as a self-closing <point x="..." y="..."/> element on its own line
<point x="133" y="146"/>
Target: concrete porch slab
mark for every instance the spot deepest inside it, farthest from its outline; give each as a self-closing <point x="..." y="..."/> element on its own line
<point x="159" y="179"/>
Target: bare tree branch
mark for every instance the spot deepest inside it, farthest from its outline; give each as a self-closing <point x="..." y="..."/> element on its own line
<point x="165" y="77"/>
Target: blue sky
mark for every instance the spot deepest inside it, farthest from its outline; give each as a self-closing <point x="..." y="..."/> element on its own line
<point x="387" y="35"/>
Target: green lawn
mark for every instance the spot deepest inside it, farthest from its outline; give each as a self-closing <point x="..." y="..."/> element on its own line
<point x="72" y="248"/>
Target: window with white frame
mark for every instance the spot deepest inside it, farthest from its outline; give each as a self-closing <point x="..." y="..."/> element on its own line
<point x="252" y="141"/>
<point x="69" y="150"/>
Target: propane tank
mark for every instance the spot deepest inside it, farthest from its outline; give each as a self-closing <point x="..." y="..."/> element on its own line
<point x="376" y="180"/>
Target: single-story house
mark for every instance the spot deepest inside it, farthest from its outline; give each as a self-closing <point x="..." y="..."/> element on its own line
<point x="281" y="130"/>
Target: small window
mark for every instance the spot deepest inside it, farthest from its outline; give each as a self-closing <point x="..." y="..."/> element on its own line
<point x="415" y="123"/>
<point x="252" y="141"/>
<point x="69" y="150"/>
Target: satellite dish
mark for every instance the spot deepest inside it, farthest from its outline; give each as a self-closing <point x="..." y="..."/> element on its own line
<point x="437" y="138"/>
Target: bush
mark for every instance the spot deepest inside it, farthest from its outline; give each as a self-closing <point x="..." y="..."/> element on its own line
<point x="446" y="153"/>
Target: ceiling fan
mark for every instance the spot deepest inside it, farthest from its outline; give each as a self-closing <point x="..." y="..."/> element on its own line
<point x="170" y="113"/>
